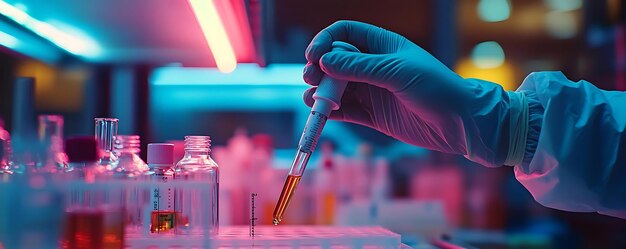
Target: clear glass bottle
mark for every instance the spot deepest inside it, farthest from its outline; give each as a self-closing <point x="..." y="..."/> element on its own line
<point x="161" y="215"/>
<point x="106" y="130"/>
<point x="198" y="206"/>
<point x="52" y="156"/>
<point x="126" y="149"/>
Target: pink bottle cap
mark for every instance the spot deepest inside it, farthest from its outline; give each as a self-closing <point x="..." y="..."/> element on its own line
<point x="160" y="153"/>
<point x="82" y="149"/>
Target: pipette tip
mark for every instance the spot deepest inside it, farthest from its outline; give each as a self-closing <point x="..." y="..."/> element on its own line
<point x="275" y="222"/>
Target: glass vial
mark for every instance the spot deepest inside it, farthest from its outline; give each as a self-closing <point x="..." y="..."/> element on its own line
<point x="52" y="157"/>
<point x="106" y="130"/>
<point x="198" y="204"/>
<point x="161" y="212"/>
<point x="126" y="149"/>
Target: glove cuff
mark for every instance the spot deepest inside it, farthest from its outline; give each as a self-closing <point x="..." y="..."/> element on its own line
<point x="535" y="119"/>
<point x="518" y="128"/>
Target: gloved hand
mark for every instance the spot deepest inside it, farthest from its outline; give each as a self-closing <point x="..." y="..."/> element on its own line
<point x="399" y="89"/>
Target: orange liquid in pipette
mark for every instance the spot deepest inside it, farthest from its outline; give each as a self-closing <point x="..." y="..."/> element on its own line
<point x="285" y="197"/>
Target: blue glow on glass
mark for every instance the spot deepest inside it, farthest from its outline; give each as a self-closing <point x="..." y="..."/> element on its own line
<point x="494" y="10"/>
<point x="488" y="54"/>
<point x="244" y="74"/>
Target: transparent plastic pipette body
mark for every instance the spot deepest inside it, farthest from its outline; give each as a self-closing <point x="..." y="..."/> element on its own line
<point x="305" y="148"/>
<point x="327" y="98"/>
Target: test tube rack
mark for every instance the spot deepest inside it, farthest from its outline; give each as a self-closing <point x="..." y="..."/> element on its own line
<point x="14" y="194"/>
<point x="310" y="237"/>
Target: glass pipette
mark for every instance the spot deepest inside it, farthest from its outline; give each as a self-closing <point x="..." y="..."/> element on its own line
<point x="327" y="98"/>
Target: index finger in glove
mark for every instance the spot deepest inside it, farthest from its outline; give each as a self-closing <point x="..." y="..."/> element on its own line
<point x="353" y="32"/>
<point x="312" y="74"/>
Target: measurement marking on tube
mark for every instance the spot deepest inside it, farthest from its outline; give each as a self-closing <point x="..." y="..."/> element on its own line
<point x="312" y="131"/>
<point x="252" y="215"/>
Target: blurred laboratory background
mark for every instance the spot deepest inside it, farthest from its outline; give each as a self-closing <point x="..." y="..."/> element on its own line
<point x="149" y="63"/>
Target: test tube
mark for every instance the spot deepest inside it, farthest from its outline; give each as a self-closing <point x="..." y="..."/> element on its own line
<point x="327" y="98"/>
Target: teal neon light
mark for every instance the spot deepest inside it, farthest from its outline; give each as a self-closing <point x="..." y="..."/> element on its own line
<point x="244" y="74"/>
<point x="74" y="43"/>
<point x="8" y="40"/>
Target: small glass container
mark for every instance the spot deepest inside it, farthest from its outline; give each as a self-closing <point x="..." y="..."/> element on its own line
<point x="161" y="216"/>
<point x="131" y="170"/>
<point x="126" y="148"/>
<point x="198" y="204"/>
<point x="106" y="130"/>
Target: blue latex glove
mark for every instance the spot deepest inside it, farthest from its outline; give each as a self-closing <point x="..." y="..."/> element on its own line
<point x="399" y="89"/>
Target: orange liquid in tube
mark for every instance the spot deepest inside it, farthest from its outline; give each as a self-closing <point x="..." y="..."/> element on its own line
<point x="285" y="196"/>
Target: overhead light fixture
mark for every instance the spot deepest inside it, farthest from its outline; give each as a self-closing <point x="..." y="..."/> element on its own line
<point x="8" y="40"/>
<point x="69" y="42"/>
<point x="215" y="34"/>
<point x="14" y="13"/>
<point x="494" y="10"/>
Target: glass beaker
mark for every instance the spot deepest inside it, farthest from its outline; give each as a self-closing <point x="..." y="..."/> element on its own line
<point x="106" y="130"/>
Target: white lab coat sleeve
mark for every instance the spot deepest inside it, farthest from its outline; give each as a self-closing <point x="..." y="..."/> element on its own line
<point x="576" y="147"/>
